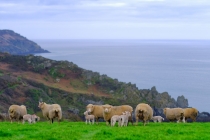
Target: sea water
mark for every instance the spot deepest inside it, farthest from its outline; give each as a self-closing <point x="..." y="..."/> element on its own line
<point x="180" y="67"/>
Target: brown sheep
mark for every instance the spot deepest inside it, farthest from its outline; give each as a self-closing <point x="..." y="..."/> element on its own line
<point x="96" y="110"/>
<point x="190" y="113"/>
<point x="143" y="112"/>
<point x="16" y="112"/>
<point x="174" y="114"/>
<point x="51" y="111"/>
<point x="110" y="111"/>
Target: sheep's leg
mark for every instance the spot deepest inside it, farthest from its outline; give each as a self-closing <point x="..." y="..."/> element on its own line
<point x="93" y="121"/>
<point x="183" y="120"/>
<point x="52" y="121"/>
<point x="137" y="120"/>
<point x="86" y="121"/>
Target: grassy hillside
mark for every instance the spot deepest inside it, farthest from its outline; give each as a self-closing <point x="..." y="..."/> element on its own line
<point x="81" y="131"/>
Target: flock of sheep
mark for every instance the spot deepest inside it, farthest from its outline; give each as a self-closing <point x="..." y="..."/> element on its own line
<point x="143" y="112"/>
<point x="49" y="111"/>
<point x="111" y="114"/>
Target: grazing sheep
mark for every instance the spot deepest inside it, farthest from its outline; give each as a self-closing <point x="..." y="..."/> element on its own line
<point x="96" y="110"/>
<point x="124" y="118"/>
<point x="110" y="111"/>
<point x="143" y="112"/>
<point x="89" y="118"/>
<point x="16" y="112"/>
<point x="157" y="118"/>
<point x="174" y="114"/>
<point x="114" y="119"/>
<point x="4" y="116"/>
<point x="30" y="118"/>
<point x="190" y="113"/>
<point x="51" y="111"/>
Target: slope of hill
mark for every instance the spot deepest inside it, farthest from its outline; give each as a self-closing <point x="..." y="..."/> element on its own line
<point x="14" y="43"/>
<point x="26" y="79"/>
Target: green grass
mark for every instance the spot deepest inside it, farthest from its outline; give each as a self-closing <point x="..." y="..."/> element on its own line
<point x="81" y="131"/>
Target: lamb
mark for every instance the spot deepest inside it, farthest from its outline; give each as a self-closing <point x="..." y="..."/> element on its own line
<point x="114" y="119"/>
<point x="89" y="118"/>
<point x="143" y="112"/>
<point x="16" y="112"/>
<point x="124" y="118"/>
<point x="4" y="116"/>
<point x="51" y="111"/>
<point x="30" y="118"/>
<point x="174" y="114"/>
<point x="157" y="118"/>
<point x="96" y="110"/>
<point x="110" y="111"/>
<point x="190" y="113"/>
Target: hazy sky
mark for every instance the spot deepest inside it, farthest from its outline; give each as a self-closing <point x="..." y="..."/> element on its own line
<point x="107" y="19"/>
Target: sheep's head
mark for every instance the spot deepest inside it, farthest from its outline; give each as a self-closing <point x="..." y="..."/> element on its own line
<point x="128" y="113"/>
<point x="90" y="108"/>
<point x="12" y="112"/>
<point x="86" y="113"/>
<point x="41" y="105"/>
<point x="107" y="108"/>
<point x="164" y="111"/>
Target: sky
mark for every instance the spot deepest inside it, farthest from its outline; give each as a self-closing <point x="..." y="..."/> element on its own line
<point x="107" y="19"/>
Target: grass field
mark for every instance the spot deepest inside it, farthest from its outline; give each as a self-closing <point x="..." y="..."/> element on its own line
<point x="81" y="131"/>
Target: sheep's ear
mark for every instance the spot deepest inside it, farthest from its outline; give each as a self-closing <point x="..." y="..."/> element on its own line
<point x="40" y="100"/>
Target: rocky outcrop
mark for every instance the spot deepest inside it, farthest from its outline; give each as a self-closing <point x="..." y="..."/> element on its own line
<point x="182" y="102"/>
<point x="14" y="43"/>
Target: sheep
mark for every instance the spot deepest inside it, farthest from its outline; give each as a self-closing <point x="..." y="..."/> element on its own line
<point x="157" y="118"/>
<point x="124" y="118"/>
<point x="114" y="119"/>
<point x="174" y="114"/>
<point x="30" y="118"/>
<point x="143" y="112"/>
<point x="110" y="111"/>
<point x="4" y="116"/>
<point x="16" y="112"/>
<point x="190" y="113"/>
<point x="89" y="118"/>
<point x="51" y="111"/>
<point x="96" y="110"/>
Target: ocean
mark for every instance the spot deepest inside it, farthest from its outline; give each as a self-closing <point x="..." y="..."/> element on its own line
<point x="179" y="67"/>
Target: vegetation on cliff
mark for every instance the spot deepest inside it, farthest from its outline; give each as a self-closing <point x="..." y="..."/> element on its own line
<point x="26" y="79"/>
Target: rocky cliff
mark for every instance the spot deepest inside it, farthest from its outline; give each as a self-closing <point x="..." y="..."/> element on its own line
<point x="14" y="43"/>
<point x="26" y="79"/>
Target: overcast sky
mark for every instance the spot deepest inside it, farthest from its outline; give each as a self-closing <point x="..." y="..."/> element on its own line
<point x="107" y="19"/>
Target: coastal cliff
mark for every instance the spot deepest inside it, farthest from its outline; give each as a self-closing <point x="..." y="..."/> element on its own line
<point x="14" y="43"/>
<point x="26" y="79"/>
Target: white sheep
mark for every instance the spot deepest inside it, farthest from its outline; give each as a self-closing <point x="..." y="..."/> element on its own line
<point x="89" y="118"/>
<point x="51" y="111"/>
<point x="174" y="114"/>
<point x="96" y="110"/>
<point x="124" y="118"/>
<point x="30" y="118"/>
<point x="114" y="119"/>
<point x="157" y="118"/>
<point x="143" y="112"/>
<point x="110" y="111"/>
<point x="17" y="112"/>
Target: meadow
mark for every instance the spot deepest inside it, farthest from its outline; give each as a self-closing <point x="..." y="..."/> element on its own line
<point x="81" y="131"/>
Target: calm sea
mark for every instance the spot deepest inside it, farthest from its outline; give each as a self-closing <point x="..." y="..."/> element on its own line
<point x="178" y="67"/>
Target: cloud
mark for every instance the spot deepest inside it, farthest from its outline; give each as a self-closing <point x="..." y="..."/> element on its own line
<point x="116" y="15"/>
